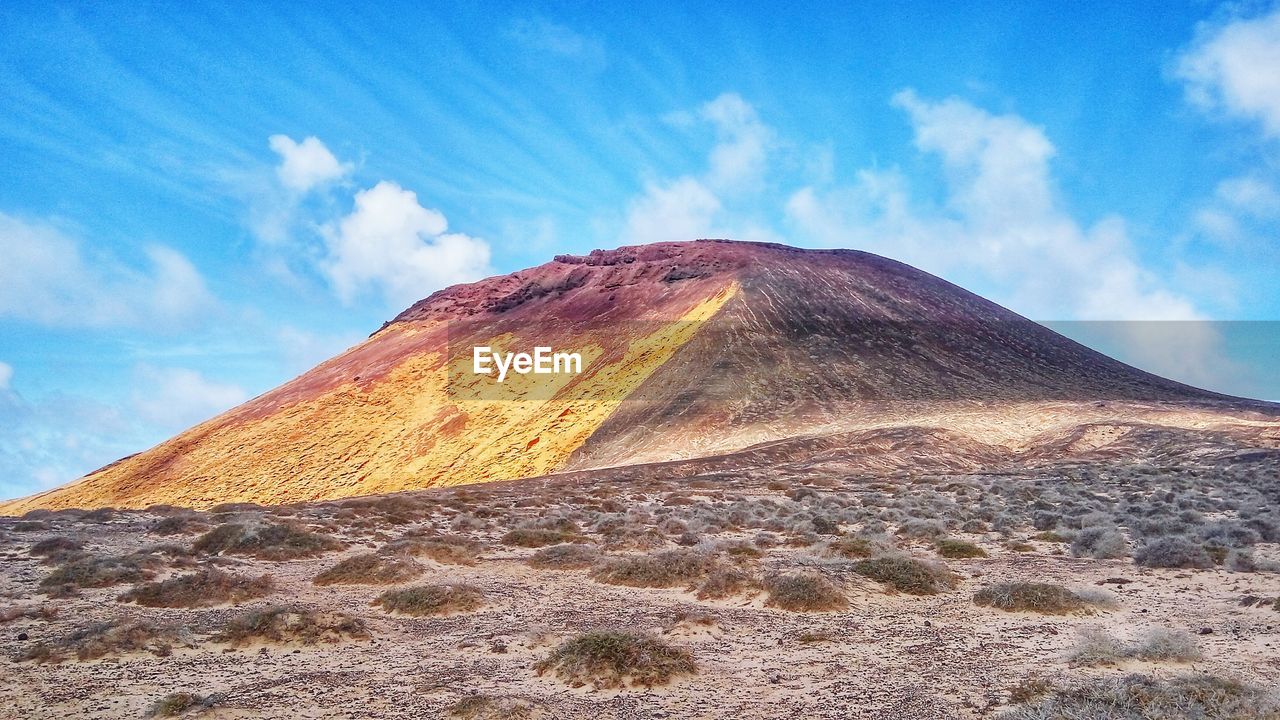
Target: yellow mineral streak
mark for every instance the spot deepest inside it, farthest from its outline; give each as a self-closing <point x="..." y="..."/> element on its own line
<point x="425" y="424"/>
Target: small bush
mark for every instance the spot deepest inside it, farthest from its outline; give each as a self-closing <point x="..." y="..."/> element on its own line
<point x="1173" y="552"/>
<point x="56" y="546"/>
<point x="431" y="599"/>
<point x="740" y="549"/>
<point x="444" y="549"/>
<point x="1102" y="543"/>
<point x="538" y="537"/>
<point x="1036" y="597"/>
<point x="726" y="581"/>
<point x="799" y="592"/>
<point x="35" y="612"/>
<point x="922" y="529"/>
<point x="178" y="525"/>
<point x="906" y="574"/>
<point x="1165" y="644"/>
<point x="109" y="638"/>
<point x="616" y="659"/>
<point x="266" y="542"/>
<point x="483" y="707"/>
<point x="100" y="571"/>
<point x="855" y="547"/>
<point x="670" y="568"/>
<point x="957" y="549"/>
<point x="1095" y="646"/>
<point x="181" y="703"/>
<point x="568" y="556"/>
<point x="204" y="588"/>
<point x="1139" y="697"/>
<point x="291" y="625"/>
<point x="370" y="569"/>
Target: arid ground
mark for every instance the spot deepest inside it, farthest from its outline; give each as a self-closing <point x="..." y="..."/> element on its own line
<point x="1101" y="588"/>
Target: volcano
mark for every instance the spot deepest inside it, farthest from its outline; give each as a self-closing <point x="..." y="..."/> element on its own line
<point x="691" y="350"/>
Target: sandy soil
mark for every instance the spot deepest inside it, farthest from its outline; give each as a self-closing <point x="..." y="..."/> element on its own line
<point x="887" y="655"/>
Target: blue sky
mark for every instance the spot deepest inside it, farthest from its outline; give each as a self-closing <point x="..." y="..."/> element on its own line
<point x="198" y="204"/>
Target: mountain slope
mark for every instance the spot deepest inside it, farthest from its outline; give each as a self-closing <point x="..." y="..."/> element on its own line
<point x="689" y="349"/>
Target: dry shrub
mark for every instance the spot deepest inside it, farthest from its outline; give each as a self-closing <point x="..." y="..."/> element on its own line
<point x="957" y="549"/>
<point x="565" y="557"/>
<point x="444" y="549"/>
<point x="803" y="592"/>
<point x="56" y="546"/>
<point x="906" y="574"/>
<point x="855" y="547"/>
<point x="659" y="570"/>
<point x="726" y="581"/>
<point x="117" y="637"/>
<point x="739" y="549"/>
<point x="205" y="588"/>
<point x="629" y="537"/>
<point x="1095" y="646"/>
<point x="484" y="707"/>
<point x="1037" y="597"/>
<point x="282" y="541"/>
<point x="1173" y="552"/>
<point x="291" y="625"/>
<point x="178" y="525"/>
<point x="182" y="703"/>
<point x="99" y="571"/>
<point x="432" y="599"/>
<point x="538" y="537"/>
<point x="616" y="659"/>
<point x="31" y="612"/>
<point x="1140" y="697"/>
<point x="371" y="569"/>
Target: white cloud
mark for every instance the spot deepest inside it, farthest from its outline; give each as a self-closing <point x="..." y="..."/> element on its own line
<point x="391" y="243"/>
<point x="48" y="277"/>
<point x="738" y="159"/>
<point x="6" y="376"/>
<point x="58" y="439"/>
<point x="711" y="203"/>
<point x="303" y="350"/>
<point x="546" y="37"/>
<point x="176" y="398"/>
<point x="1241" y="211"/>
<point x="1232" y="67"/>
<point x="1001" y="226"/>
<point x="1000" y="222"/>
<point x="307" y="164"/>
<point x="681" y="209"/>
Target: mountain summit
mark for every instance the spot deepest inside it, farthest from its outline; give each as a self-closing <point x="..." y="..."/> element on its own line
<point x="688" y="350"/>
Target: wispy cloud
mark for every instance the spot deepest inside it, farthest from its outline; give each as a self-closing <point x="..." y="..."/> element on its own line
<point x="1231" y="67"/>
<point x="546" y="37"/>
<point x="59" y="437"/>
<point x="176" y="398"/>
<point x="49" y="277"/>
<point x="713" y="202"/>
<point x="1000" y="221"/>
